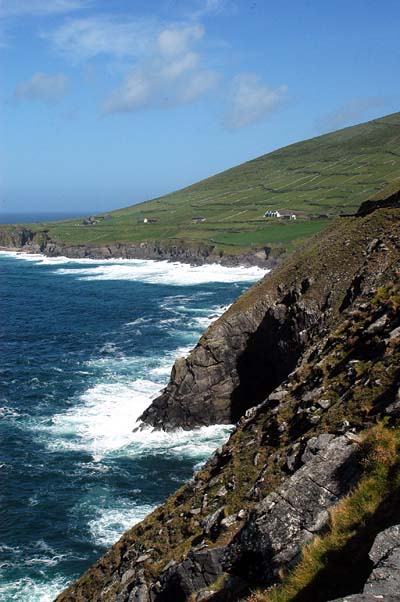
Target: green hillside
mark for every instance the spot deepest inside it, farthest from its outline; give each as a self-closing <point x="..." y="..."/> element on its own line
<point x="316" y="179"/>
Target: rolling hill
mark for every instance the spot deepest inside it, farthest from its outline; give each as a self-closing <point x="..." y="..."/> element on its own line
<point x="316" y="179"/>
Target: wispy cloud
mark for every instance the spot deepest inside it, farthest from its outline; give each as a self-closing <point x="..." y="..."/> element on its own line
<point x="251" y="100"/>
<point x="349" y="113"/>
<point x="206" y="8"/>
<point x="103" y="35"/>
<point x="43" y="87"/>
<point x="18" y="8"/>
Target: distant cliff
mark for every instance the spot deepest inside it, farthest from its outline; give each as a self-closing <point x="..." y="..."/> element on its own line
<point x="308" y="363"/>
<point x="29" y="241"/>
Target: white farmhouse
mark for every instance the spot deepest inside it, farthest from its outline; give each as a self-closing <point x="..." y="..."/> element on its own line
<point x="271" y="213"/>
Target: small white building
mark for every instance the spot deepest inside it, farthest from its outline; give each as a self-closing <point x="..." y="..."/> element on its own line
<point x="271" y="213"/>
<point x="289" y="216"/>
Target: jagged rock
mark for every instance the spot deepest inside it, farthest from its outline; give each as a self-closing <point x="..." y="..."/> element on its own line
<point x="377" y="326"/>
<point x="324" y="403"/>
<point x="199" y="570"/>
<point x="143" y="558"/>
<point x="212" y="521"/>
<point x="222" y="491"/>
<point x="127" y="576"/>
<point x="290" y="516"/>
<point x="385" y="554"/>
<point x="293" y="461"/>
<point x="229" y="521"/>
<point x="315" y="445"/>
<point x="384" y="580"/>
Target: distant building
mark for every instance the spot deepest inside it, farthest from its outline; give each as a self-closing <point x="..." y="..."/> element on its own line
<point x="199" y="218"/>
<point x="147" y="220"/>
<point x="271" y="213"/>
<point x="289" y="216"/>
<point x="90" y="221"/>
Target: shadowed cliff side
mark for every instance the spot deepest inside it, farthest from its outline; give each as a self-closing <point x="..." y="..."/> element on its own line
<point x="253" y="347"/>
<point x="245" y="517"/>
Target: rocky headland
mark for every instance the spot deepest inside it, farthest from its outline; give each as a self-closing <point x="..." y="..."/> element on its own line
<point x="23" y="239"/>
<point x="307" y="364"/>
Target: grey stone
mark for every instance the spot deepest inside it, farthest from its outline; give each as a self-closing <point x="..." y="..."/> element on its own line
<point x="377" y="326"/>
<point x="384" y="580"/>
<point x="229" y="521"/>
<point x="291" y="515"/>
<point x="143" y="558"/>
<point x="385" y="554"/>
<point x="212" y="521"/>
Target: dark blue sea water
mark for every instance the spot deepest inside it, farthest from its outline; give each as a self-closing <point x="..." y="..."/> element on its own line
<point x="84" y="347"/>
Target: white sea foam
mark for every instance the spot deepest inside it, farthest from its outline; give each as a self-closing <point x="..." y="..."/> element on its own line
<point x="28" y="590"/>
<point x="109" y="524"/>
<point x="197" y="444"/>
<point x="164" y="272"/>
<point x="103" y="423"/>
<point x="103" y="420"/>
<point x="148" y="270"/>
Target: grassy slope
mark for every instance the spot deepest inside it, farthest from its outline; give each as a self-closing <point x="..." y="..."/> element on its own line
<point x="331" y="174"/>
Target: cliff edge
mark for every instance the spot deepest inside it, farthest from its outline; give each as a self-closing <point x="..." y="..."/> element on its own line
<point x="308" y="360"/>
<point x="253" y="347"/>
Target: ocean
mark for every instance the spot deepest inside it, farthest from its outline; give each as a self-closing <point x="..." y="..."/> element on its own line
<point x="84" y="347"/>
<point x="28" y="218"/>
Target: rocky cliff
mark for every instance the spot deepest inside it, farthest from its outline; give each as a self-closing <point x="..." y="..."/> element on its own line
<point x="243" y="356"/>
<point x="23" y="239"/>
<point x="308" y="362"/>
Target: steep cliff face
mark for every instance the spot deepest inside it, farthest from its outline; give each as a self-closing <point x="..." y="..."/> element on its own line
<point x="245" y="517"/>
<point x="245" y="354"/>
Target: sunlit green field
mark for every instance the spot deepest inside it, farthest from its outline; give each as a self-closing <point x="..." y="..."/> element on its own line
<point x="316" y="179"/>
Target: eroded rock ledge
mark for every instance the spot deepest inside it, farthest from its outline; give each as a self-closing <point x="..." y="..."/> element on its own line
<point x="255" y="345"/>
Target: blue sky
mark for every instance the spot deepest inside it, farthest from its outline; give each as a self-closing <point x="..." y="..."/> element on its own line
<point x="109" y="102"/>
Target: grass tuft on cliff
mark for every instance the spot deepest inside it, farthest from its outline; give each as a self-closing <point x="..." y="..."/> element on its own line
<point x="316" y="179"/>
<point x="354" y="522"/>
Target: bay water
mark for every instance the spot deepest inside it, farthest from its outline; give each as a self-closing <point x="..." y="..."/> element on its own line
<point x="85" y="346"/>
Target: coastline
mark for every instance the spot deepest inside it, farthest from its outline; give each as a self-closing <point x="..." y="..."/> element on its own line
<point x="156" y="251"/>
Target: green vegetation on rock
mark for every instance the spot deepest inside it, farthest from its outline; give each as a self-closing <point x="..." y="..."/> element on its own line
<point x="354" y="523"/>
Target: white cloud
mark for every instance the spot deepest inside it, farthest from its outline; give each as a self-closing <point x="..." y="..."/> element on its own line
<point x="88" y="37"/>
<point x="17" y="8"/>
<point x="213" y="7"/>
<point x="251" y="100"/>
<point x="176" y="39"/>
<point x="161" y="83"/>
<point x="350" y="112"/>
<point x="43" y="87"/>
<point x="167" y="73"/>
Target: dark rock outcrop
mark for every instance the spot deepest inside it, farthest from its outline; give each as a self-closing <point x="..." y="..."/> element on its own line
<point x="384" y="580"/>
<point x="255" y="345"/>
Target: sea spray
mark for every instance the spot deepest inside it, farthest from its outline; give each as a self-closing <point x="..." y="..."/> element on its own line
<point x="85" y="348"/>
